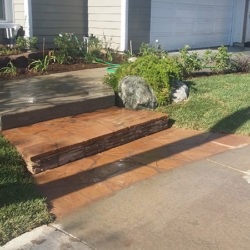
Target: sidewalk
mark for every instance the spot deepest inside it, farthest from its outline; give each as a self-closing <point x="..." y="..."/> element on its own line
<point x="198" y="198"/>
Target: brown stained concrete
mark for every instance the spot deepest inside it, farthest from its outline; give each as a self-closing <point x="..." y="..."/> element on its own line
<point x="82" y="182"/>
<point x="53" y="143"/>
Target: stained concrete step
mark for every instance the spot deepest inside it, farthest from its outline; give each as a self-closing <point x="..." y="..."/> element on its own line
<point x="41" y="98"/>
<point x="53" y="143"/>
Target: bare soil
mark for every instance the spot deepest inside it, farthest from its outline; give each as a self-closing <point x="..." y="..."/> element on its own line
<point x="21" y="62"/>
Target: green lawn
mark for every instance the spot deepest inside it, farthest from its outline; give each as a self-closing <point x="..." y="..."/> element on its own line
<point x="21" y="206"/>
<point x="217" y="103"/>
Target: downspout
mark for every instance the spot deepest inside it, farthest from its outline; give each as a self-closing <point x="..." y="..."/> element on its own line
<point x="124" y="25"/>
<point x="245" y="22"/>
<point x="28" y="18"/>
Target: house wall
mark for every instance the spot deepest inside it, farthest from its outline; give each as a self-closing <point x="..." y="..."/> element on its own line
<point x="139" y="15"/>
<point x="104" y="19"/>
<point x="18" y="12"/>
<point x="51" y="17"/>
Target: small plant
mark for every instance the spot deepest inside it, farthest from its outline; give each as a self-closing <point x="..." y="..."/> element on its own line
<point x="10" y="70"/>
<point x="70" y="48"/>
<point x="94" y="46"/>
<point x="31" y="42"/>
<point x="109" y="55"/>
<point x="9" y="51"/>
<point x="128" y="54"/>
<point x="107" y="44"/>
<point x="222" y="60"/>
<point x="208" y="57"/>
<point x="21" y="43"/>
<point x="147" y="49"/>
<point x="26" y="43"/>
<point x="42" y="65"/>
<point x="189" y="61"/>
<point x="241" y="63"/>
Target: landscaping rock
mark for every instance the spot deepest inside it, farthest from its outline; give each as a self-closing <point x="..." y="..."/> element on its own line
<point x="135" y="93"/>
<point x="180" y="93"/>
<point x="132" y="59"/>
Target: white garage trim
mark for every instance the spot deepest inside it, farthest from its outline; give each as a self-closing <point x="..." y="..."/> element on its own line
<point x="124" y="25"/>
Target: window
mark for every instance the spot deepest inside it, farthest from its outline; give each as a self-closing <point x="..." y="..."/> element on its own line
<point x="2" y="10"/>
<point x="6" y="11"/>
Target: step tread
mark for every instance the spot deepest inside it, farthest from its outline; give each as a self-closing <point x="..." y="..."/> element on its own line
<point x="73" y="132"/>
<point x="41" y="98"/>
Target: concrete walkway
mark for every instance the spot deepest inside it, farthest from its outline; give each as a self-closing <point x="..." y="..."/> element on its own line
<point x="192" y="192"/>
<point x="41" y="98"/>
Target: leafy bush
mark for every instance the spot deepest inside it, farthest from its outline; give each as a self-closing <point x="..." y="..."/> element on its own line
<point x="70" y="48"/>
<point x="222" y="60"/>
<point x="219" y="61"/>
<point x="24" y="43"/>
<point x="21" y="43"/>
<point x="158" y="72"/>
<point x="189" y="61"/>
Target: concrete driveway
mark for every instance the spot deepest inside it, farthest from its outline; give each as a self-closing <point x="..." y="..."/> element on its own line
<point x="201" y="205"/>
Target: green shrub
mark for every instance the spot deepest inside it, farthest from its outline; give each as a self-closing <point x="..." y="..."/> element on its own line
<point x="24" y="43"/>
<point x="32" y="42"/>
<point x="158" y="72"/>
<point x="21" y="43"/>
<point x="219" y="61"/>
<point x="70" y="48"/>
<point x="223" y="60"/>
<point x="189" y="61"/>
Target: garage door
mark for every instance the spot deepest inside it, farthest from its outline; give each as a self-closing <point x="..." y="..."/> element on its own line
<point x="198" y="23"/>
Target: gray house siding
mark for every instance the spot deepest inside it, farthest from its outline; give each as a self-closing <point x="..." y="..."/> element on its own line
<point x="51" y="17"/>
<point x="139" y="18"/>
<point x="104" y="20"/>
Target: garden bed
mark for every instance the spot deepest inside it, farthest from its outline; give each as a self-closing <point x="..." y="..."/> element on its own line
<point x="21" y="62"/>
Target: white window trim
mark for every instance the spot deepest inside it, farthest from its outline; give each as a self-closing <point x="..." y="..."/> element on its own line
<point x="8" y="9"/>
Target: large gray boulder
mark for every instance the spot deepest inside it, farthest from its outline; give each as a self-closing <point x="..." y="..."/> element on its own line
<point x="180" y="92"/>
<point x="135" y="93"/>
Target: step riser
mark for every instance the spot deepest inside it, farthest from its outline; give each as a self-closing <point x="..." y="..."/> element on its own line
<point x="9" y="120"/>
<point x="96" y="145"/>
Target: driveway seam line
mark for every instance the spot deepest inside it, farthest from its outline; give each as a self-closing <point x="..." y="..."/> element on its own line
<point x="227" y="166"/>
<point x="58" y="228"/>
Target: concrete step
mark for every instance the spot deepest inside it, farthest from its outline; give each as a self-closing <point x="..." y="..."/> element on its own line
<point x="53" y="143"/>
<point x="37" y="99"/>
